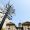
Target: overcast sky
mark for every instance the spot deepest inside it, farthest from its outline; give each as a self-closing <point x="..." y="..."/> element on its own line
<point x="22" y="10"/>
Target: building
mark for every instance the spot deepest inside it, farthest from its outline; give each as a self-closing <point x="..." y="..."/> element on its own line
<point x="11" y="26"/>
<point x="26" y="26"/>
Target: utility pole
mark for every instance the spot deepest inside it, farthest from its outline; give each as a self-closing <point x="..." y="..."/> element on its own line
<point x="6" y="14"/>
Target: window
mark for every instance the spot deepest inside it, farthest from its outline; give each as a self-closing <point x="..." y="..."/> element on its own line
<point x="28" y="28"/>
<point x="8" y="28"/>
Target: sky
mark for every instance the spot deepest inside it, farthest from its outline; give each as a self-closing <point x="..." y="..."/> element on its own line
<point x="22" y="10"/>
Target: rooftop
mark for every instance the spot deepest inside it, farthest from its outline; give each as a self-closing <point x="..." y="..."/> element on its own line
<point x="26" y="23"/>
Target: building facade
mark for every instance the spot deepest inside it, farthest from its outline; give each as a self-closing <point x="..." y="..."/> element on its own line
<point x="11" y="26"/>
<point x="26" y="26"/>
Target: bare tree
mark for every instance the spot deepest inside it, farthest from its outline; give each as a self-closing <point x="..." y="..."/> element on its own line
<point x="9" y="11"/>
